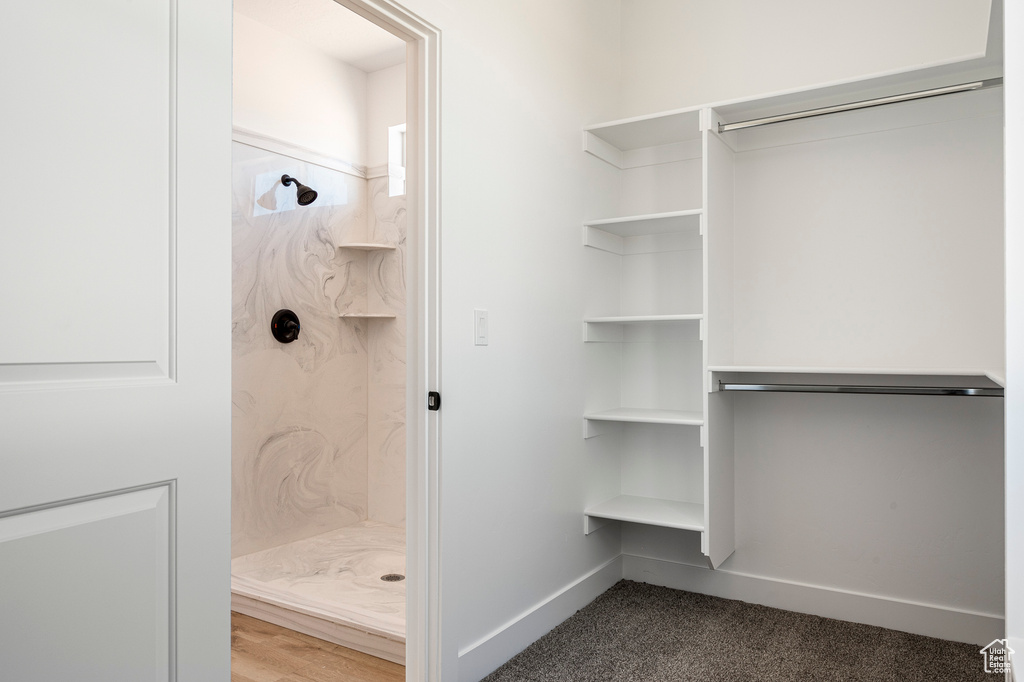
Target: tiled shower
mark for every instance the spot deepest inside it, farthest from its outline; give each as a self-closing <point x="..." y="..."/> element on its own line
<point x="318" y="425"/>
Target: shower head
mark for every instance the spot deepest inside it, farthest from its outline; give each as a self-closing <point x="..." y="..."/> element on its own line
<point x="306" y="195"/>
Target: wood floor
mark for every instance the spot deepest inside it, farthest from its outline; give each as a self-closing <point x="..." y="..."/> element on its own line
<point x="262" y="652"/>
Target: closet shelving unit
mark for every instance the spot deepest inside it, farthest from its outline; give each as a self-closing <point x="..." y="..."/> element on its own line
<point x="368" y="247"/>
<point x="822" y="252"/>
<point x="659" y="322"/>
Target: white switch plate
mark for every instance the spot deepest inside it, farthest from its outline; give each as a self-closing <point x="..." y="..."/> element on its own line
<point x="480" y="327"/>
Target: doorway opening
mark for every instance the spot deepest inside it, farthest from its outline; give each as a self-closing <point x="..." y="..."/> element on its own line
<point x="329" y="445"/>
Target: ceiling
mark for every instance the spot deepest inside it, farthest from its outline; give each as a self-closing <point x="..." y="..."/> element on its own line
<point x="327" y="26"/>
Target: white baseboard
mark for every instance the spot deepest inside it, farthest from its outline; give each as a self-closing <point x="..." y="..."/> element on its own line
<point x="922" y="619"/>
<point x="490" y="651"/>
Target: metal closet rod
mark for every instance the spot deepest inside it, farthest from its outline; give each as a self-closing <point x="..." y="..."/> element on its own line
<point x="862" y="104"/>
<point x="874" y="390"/>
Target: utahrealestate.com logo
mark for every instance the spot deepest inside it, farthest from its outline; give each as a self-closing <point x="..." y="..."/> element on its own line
<point x="997" y="656"/>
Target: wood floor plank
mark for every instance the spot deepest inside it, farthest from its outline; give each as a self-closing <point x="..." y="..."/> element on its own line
<point x="293" y="637"/>
<point x="263" y="652"/>
<point x="253" y="628"/>
<point x="350" y="665"/>
<point x="238" y="677"/>
<point x="246" y="669"/>
<point x="309" y="653"/>
<point x="269" y="655"/>
<point x="386" y="669"/>
<point x="342" y="671"/>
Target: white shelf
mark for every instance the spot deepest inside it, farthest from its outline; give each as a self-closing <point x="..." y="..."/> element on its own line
<point x="636" y="319"/>
<point x="651" y="223"/>
<point x="649" y="131"/>
<point x="364" y="246"/>
<point x="612" y="329"/>
<point x="367" y="316"/>
<point x="639" y="415"/>
<point x="650" y="511"/>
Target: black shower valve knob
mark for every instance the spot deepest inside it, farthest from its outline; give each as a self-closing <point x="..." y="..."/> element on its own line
<point x="285" y="326"/>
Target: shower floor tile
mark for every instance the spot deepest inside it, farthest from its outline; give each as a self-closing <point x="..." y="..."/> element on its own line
<point x="330" y="586"/>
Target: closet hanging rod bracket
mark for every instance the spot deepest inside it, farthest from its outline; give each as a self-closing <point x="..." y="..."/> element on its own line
<point x="871" y="390"/>
<point x="862" y="104"/>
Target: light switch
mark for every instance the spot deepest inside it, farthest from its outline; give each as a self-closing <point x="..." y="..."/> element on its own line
<point x="480" y="327"/>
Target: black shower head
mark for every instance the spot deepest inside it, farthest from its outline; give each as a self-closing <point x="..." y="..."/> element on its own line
<point x="306" y="195"/>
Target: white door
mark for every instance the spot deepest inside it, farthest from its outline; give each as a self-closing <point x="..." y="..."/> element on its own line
<point x="114" y="344"/>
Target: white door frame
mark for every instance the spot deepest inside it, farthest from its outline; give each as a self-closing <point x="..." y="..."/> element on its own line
<point x="423" y="130"/>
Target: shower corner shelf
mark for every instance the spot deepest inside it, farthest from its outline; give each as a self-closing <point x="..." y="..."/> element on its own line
<point x="367" y="246"/>
<point x="367" y="316"/>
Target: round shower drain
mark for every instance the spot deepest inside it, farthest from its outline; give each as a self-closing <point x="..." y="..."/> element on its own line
<point x="392" y="577"/>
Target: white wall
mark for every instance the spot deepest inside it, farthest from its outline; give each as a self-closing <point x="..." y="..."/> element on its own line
<point x="519" y="80"/>
<point x="288" y="91"/>
<point x="385" y="107"/>
<point x="869" y="289"/>
<point x="676" y="54"/>
<point x="1014" y="25"/>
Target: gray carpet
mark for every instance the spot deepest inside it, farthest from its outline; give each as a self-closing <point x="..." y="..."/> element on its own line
<point x="636" y="631"/>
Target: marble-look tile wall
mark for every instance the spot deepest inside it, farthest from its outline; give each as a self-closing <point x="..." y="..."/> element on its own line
<point x="299" y="423"/>
<point x="386" y="386"/>
<point x="318" y="426"/>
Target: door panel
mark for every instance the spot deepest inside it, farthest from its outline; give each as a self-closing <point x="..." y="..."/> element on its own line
<point x="88" y="167"/>
<point x="62" y="567"/>
<point x="115" y="354"/>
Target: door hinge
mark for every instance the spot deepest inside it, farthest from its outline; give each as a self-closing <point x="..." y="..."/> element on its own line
<point x="433" y="401"/>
